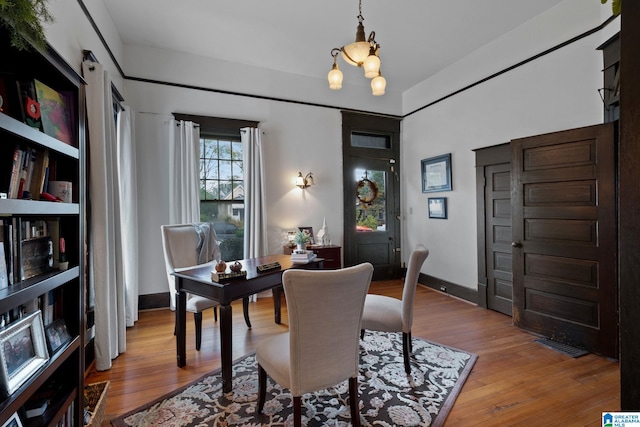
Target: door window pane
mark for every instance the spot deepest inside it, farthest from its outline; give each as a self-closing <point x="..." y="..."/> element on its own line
<point x="370" y="141"/>
<point x="371" y="213"/>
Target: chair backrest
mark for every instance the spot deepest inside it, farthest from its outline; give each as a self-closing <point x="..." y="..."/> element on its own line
<point x="325" y="311"/>
<point x="183" y="245"/>
<point x="417" y="258"/>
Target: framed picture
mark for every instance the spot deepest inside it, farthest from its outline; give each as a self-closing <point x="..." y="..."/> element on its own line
<point x="13" y="421"/>
<point x="23" y="350"/>
<point x="309" y="232"/>
<point x="57" y="335"/>
<point x="437" y="207"/>
<point x="436" y="174"/>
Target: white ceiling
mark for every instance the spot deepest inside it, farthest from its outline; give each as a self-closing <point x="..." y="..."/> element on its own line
<point x="417" y="37"/>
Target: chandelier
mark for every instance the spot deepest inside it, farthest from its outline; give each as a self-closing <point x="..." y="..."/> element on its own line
<point x="363" y="53"/>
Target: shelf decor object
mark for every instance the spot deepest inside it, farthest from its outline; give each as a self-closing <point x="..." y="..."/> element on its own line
<point x="23" y="351"/>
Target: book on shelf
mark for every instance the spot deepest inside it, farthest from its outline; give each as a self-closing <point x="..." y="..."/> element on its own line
<point x="4" y="277"/>
<point x="29" y="173"/>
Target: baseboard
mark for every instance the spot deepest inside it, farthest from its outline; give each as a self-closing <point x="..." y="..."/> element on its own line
<point x="151" y="301"/>
<point x="161" y="300"/>
<point x="458" y="291"/>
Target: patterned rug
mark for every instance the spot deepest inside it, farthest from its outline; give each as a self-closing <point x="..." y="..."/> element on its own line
<point x="388" y="397"/>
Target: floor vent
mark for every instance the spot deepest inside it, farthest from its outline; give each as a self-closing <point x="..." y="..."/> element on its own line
<point x="562" y="348"/>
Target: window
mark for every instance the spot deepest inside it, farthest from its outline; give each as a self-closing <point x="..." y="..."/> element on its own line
<point x="222" y="179"/>
<point x="222" y="191"/>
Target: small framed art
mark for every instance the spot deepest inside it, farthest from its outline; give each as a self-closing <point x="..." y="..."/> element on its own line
<point x="57" y="335"/>
<point x="437" y="207"/>
<point x="13" y="421"/>
<point x="23" y="350"/>
<point x="309" y="232"/>
<point x="436" y="174"/>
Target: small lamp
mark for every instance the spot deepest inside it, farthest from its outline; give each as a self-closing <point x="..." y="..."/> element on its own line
<point x="304" y="181"/>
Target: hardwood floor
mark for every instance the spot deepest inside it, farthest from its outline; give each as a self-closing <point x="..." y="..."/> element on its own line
<point x="515" y="382"/>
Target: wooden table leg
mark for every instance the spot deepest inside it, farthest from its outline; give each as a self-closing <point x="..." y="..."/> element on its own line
<point x="226" y="347"/>
<point x="181" y="327"/>
<point x="245" y="310"/>
<point x="277" y="303"/>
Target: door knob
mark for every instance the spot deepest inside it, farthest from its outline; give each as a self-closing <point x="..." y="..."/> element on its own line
<point x="516" y="244"/>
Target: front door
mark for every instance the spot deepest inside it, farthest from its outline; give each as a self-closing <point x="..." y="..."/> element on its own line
<point x="372" y="193"/>
<point x="564" y="237"/>
<point x="372" y="222"/>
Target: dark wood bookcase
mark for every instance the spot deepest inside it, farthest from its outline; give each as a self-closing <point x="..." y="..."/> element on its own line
<point x="56" y="292"/>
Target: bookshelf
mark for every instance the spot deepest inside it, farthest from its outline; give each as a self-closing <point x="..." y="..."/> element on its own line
<point x="43" y="146"/>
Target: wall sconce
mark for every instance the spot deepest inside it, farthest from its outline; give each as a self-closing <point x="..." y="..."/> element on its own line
<point x="304" y="181"/>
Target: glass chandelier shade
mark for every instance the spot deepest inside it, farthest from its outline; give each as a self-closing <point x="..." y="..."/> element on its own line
<point x="335" y="78"/>
<point x="378" y="85"/>
<point x="361" y="53"/>
<point x="371" y="65"/>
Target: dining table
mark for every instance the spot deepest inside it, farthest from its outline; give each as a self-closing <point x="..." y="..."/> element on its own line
<point x="262" y="274"/>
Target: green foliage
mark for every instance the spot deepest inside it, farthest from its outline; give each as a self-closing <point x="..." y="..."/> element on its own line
<point x="232" y="249"/>
<point x="370" y="221"/>
<point x="616" y="6"/>
<point x="24" y="19"/>
<point x="301" y="238"/>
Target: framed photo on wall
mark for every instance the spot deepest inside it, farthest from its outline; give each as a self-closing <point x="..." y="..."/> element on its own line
<point x="437" y="207"/>
<point x="23" y="350"/>
<point x="436" y="174"/>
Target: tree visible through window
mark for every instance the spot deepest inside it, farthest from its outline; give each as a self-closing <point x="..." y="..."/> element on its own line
<point x="222" y="191"/>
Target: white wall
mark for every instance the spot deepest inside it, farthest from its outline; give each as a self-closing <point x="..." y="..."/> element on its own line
<point x="297" y="138"/>
<point x="555" y="92"/>
<point x="71" y="33"/>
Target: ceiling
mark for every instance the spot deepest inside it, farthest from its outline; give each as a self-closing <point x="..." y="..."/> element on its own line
<point x="418" y="38"/>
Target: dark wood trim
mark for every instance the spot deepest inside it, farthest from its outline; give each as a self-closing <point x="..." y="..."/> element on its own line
<point x="152" y="301"/>
<point x="494" y="155"/>
<point x="458" y="291"/>
<point x="482" y="235"/>
<point x="629" y="208"/>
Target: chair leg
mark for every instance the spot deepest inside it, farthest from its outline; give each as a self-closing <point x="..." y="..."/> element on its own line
<point x="361" y="334"/>
<point x="297" y="411"/>
<point x="354" y="402"/>
<point x="406" y="345"/>
<point x="245" y="309"/>
<point x="215" y="314"/>
<point x="262" y="387"/>
<point x="197" y="318"/>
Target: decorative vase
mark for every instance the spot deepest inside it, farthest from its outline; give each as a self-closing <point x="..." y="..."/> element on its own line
<point x="302" y="246"/>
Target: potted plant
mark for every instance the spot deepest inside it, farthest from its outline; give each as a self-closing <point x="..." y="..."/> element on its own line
<point x="301" y="239"/>
<point x="24" y="19"/>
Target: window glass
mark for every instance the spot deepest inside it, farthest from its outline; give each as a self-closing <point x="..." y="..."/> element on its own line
<point x="370" y="141"/>
<point x="222" y="191"/>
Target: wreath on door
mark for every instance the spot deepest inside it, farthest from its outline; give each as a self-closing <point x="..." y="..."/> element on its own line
<point x="366" y="191"/>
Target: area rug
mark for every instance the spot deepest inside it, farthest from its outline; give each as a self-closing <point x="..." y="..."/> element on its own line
<point x="388" y="396"/>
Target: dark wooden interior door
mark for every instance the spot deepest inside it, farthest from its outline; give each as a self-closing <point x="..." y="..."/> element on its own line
<point x="564" y="237"/>
<point x="498" y="239"/>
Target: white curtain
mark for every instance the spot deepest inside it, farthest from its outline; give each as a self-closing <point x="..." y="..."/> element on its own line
<point x="129" y="210"/>
<point x="184" y="172"/>
<point x="255" y="221"/>
<point x="113" y="256"/>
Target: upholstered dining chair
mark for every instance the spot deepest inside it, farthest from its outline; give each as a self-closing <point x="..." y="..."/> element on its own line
<point x="387" y="314"/>
<point x="184" y="246"/>
<point x="321" y="348"/>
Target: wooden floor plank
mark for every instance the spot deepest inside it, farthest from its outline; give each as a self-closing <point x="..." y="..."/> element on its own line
<point x="515" y="382"/>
